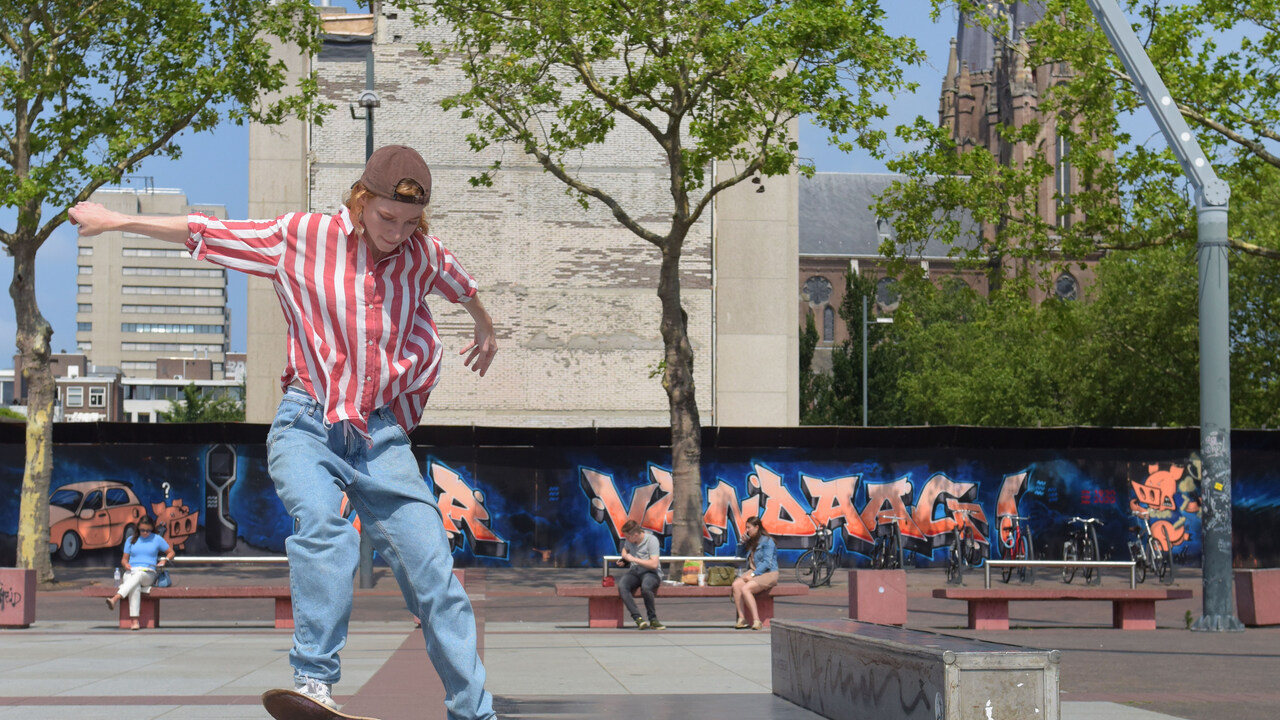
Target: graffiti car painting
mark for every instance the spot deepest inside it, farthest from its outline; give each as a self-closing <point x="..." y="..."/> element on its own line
<point x="91" y="515"/>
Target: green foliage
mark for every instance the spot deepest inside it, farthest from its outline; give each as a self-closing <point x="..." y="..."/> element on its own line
<point x="197" y="406"/>
<point x="10" y="415"/>
<point x="88" y="88"/>
<point x="705" y="80"/>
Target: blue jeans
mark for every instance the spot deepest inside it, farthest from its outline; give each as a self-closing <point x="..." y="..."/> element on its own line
<point x="312" y="463"/>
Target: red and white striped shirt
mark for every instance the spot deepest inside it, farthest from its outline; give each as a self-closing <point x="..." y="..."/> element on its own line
<point x="360" y="333"/>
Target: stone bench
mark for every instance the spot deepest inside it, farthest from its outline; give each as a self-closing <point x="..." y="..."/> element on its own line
<point x="149" y="610"/>
<point x="1131" y="609"/>
<point x="1258" y="596"/>
<point x="847" y="669"/>
<point x="605" y="609"/>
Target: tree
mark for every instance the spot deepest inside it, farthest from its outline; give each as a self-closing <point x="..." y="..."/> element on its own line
<point x="1221" y="62"/>
<point x="91" y="88"/>
<point x="704" y="81"/>
<point x="197" y="406"/>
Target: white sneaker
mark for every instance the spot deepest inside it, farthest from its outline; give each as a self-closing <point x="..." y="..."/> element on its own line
<point x="316" y="690"/>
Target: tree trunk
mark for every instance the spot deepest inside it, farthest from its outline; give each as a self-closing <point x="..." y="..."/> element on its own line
<point x="686" y="428"/>
<point x="34" y="333"/>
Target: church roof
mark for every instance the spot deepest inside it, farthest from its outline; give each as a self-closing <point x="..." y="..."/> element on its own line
<point x="837" y="218"/>
<point x="974" y="43"/>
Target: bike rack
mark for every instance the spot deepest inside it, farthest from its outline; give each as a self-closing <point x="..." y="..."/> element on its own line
<point x="1133" y="567"/>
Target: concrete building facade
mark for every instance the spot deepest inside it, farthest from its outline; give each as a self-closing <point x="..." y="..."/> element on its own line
<point x="572" y="292"/>
<point x="139" y="299"/>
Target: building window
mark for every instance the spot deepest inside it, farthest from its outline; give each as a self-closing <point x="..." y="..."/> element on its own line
<point x="138" y="365"/>
<point x="84" y="346"/>
<point x="1062" y="181"/>
<point x="84" y="327"/>
<point x="173" y="309"/>
<point x="84" y="289"/>
<point x="83" y="251"/>
<point x="144" y="417"/>
<point x="97" y="397"/>
<point x="887" y="293"/>
<point x="170" y="347"/>
<point x="1066" y="287"/>
<point x="828" y="324"/>
<point x="169" y="329"/>
<point x="84" y="269"/>
<point x="84" y="307"/>
<point x="153" y="252"/>
<point x="173" y="272"/>
<point x="817" y="289"/>
<point x="75" y="397"/>
<point x="192" y="291"/>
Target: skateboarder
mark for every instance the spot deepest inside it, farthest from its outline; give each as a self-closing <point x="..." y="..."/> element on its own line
<point x="363" y="356"/>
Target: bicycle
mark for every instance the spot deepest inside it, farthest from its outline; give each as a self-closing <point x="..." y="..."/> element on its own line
<point x="816" y="566"/>
<point x="886" y="554"/>
<point x="1147" y="553"/>
<point x="966" y="551"/>
<point x="1019" y="546"/>
<point x="1081" y="544"/>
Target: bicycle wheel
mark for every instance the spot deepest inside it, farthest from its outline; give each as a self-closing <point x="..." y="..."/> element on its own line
<point x="1006" y="573"/>
<point x="1161" y="563"/>
<point x="1030" y="572"/>
<point x="895" y="551"/>
<point x="806" y="569"/>
<point x="1022" y="552"/>
<point x="878" y="554"/>
<point x="1090" y="552"/>
<point x="1068" y="554"/>
<point x="953" y="561"/>
<point x="1139" y="559"/>
<point x="826" y="566"/>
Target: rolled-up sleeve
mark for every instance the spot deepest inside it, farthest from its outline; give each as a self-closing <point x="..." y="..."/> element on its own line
<point x="452" y="281"/>
<point x="250" y="246"/>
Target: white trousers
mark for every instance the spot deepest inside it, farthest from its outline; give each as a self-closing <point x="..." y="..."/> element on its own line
<point x="131" y="587"/>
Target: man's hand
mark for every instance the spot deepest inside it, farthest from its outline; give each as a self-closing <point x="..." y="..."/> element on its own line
<point x="93" y="219"/>
<point x="485" y="344"/>
<point x="620" y="563"/>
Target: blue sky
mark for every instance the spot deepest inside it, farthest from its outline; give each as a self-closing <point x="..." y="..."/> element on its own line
<point x="214" y="169"/>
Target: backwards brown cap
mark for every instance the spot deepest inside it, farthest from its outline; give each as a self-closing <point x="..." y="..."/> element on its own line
<point x="390" y="164"/>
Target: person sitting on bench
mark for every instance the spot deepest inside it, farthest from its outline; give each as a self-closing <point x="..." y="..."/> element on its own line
<point x="640" y="549"/>
<point x="762" y="573"/>
<point x="141" y="566"/>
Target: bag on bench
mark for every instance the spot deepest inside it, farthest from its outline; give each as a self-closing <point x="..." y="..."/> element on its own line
<point x="721" y="575"/>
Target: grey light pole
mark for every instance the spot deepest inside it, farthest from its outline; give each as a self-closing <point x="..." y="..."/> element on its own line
<point x="878" y="321"/>
<point x="1212" y="196"/>
<point x="368" y="100"/>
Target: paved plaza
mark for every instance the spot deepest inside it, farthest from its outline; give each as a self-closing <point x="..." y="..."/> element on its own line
<point x="211" y="659"/>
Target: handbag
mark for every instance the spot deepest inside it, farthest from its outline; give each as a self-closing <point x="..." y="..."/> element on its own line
<point x="691" y="570"/>
<point x="721" y="575"/>
<point x="163" y="580"/>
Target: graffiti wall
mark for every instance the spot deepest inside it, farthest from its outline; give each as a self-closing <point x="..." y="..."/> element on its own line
<point x="552" y="499"/>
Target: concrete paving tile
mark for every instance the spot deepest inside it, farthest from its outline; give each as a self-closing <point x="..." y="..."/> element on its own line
<point x="214" y="712"/>
<point x="1107" y="711"/>
<point x="531" y="641"/>
<point x="554" y="671"/>
<point x="88" y="712"/>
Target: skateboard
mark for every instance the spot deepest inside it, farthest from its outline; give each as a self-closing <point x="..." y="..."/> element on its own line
<point x="290" y="705"/>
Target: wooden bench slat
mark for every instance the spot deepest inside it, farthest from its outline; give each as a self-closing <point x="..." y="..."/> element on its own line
<point x="1131" y="609"/>
<point x="149" y="609"/>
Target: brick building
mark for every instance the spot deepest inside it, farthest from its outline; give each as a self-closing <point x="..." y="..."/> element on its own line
<point x="573" y="293"/>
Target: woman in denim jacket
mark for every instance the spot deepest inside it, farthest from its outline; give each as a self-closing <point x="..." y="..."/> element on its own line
<point x="762" y="573"/>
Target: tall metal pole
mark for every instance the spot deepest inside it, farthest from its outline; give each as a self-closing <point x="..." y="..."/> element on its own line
<point x="366" y="545"/>
<point x="1212" y="196"/>
<point x="864" y="360"/>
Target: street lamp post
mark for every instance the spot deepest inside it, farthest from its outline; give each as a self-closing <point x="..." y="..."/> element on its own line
<point x="878" y="321"/>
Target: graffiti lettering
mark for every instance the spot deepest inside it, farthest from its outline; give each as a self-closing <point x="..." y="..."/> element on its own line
<point x="1012" y="489"/>
<point x="9" y="598"/>
<point x="462" y="507"/>
<point x="780" y="513"/>
<point x="723" y="507"/>
<point x="832" y="503"/>
<point x="650" y="503"/>
<point x="935" y="513"/>
<point x="892" y="499"/>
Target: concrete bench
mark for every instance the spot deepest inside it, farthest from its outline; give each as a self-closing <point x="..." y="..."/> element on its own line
<point x="605" y="609"/>
<point x="846" y="669"/>
<point x="149" y="610"/>
<point x="1131" y="609"/>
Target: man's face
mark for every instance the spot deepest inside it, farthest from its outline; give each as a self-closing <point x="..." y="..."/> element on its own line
<point x="387" y="223"/>
<point x="635" y="537"/>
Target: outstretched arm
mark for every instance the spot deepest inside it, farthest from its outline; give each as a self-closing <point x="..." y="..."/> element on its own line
<point x="94" y="219"/>
<point x="485" y="344"/>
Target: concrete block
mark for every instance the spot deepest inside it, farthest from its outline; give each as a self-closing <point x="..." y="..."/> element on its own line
<point x="1258" y="596"/>
<point x="878" y="596"/>
<point x="17" y="597"/>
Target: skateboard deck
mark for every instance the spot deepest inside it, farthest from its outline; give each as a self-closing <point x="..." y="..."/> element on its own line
<point x="290" y="705"/>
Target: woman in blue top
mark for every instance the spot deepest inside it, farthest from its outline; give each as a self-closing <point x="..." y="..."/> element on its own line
<point x="762" y="573"/>
<point x="141" y="561"/>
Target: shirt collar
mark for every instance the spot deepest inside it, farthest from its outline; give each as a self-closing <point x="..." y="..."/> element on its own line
<point x="344" y="217"/>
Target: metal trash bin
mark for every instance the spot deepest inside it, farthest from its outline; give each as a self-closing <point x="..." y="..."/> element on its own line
<point x="853" y="671"/>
